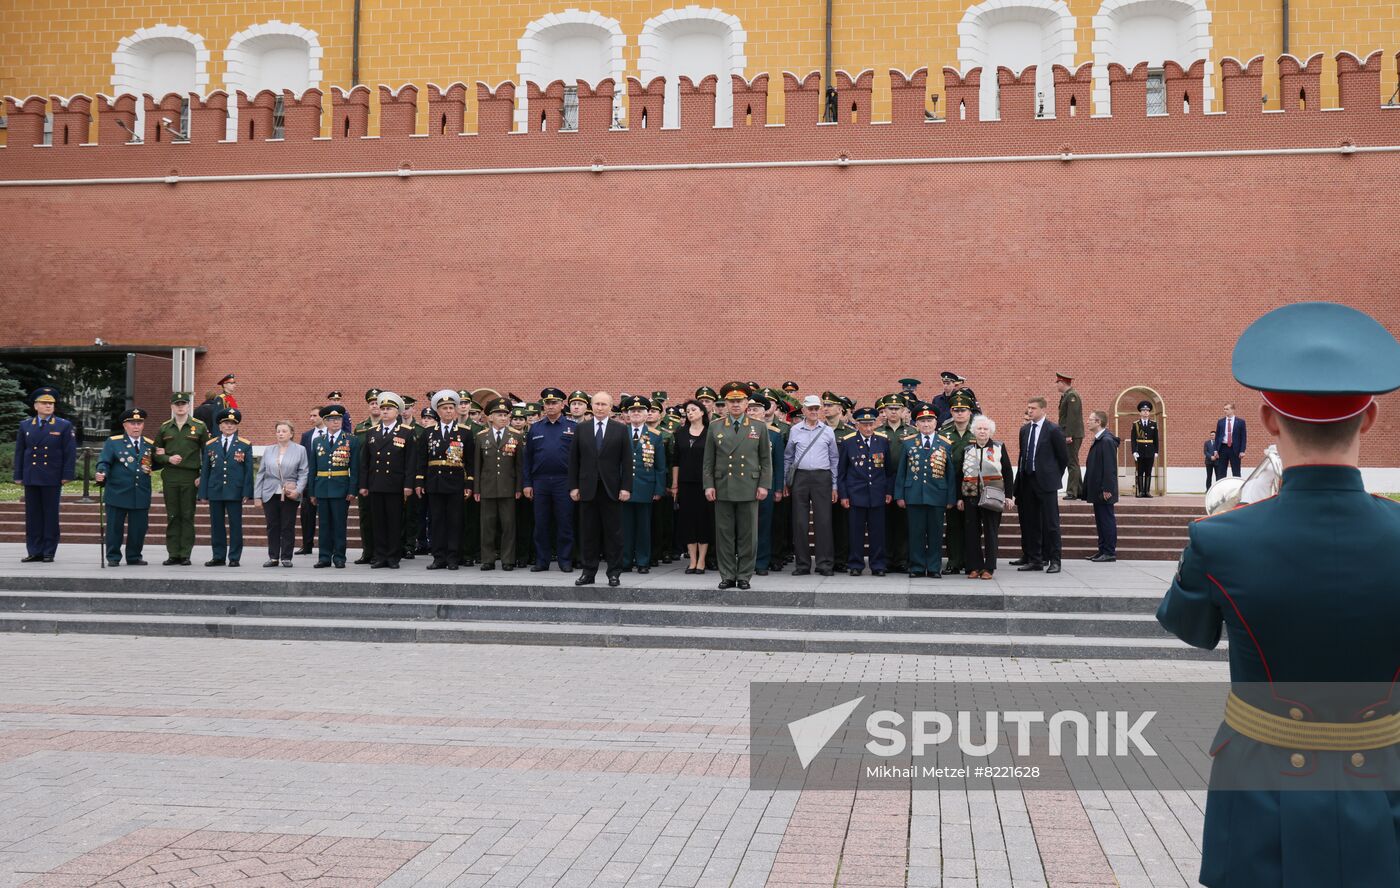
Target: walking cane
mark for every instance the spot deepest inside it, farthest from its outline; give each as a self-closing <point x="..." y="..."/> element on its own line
<point x="102" y="525"/>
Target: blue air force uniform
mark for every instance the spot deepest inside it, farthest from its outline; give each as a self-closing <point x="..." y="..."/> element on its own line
<point x="648" y="483"/>
<point x="46" y="451"/>
<point x="335" y="477"/>
<point x="926" y="485"/>
<point x="126" y="462"/>
<point x="865" y="478"/>
<point x="225" y="481"/>
<point x="547" y="473"/>
<point x="1303" y="584"/>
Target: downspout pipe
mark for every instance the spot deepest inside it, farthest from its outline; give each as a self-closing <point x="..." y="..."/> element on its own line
<point x="1285" y="26"/>
<point x="355" y="45"/>
<point x="826" y="68"/>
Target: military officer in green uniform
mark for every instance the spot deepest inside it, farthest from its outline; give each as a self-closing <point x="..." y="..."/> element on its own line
<point x="335" y="475"/>
<point x="124" y="470"/>
<point x="649" y="474"/>
<point x="709" y="399"/>
<point x="179" y="448"/>
<point x="738" y="463"/>
<point x="926" y="487"/>
<point x="663" y="515"/>
<point x="520" y="421"/>
<point x="1072" y="424"/>
<point x="1304" y="585"/>
<point x="897" y="433"/>
<point x="226" y="483"/>
<point x="958" y="431"/>
<point x="361" y="433"/>
<point x="500" y="480"/>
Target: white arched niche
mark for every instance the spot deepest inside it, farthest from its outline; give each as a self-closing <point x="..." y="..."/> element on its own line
<point x="159" y="60"/>
<point x="1130" y="32"/>
<point x="570" y="46"/>
<point x="693" y="42"/>
<point x="1016" y="35"/>
<point x="273" y="55"/>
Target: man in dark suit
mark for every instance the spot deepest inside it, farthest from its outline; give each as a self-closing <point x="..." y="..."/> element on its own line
<point x="600" y="477"/>
<point x="1043" y="459"/>
<point x="1230" y="435"/>
<point x="1211" y="453"/>
<point x="1101" y="484"/>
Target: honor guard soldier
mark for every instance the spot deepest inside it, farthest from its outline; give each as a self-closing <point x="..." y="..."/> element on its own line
<point x="520" y="421"/>
<point x="958" y="432"/>
<point x="546" y="482"/>
<point x="1303" y="584"/>
<point x="361" y="432"/>
<point x="124" y="470"/>
<point x="388" y="470"/>
<point x="925" y="486"/>
<point x="46" y="449"/>
<point x="445" y="478"/>
<point x="1072" y="424"/>
<point x="225" y="482"/>
<point x="226" y="399"/>
<point x="663" y="514"/>
<point x="865" y="481"/>
<point x="500" y="479"/>
<point x="764" y="554"/>
<point x="335" y="475"/>
<point x="1146" y="443"/>
<point x="738" y="463"/>
<point x="180" y="445"/>
<point x="894" y="430"/>
<point x="649" y="475"/>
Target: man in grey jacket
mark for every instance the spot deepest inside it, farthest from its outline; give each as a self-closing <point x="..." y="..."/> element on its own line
<point x="811" y="460"/>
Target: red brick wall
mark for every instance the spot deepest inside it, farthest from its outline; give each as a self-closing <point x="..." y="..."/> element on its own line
<point x="1123" y="271"/>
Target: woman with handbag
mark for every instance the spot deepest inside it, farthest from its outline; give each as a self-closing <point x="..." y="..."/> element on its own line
<point x="986" y="478"/>
<point x="280" y="482"/>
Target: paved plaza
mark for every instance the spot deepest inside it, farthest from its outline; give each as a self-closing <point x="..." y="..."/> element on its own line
<point x="164" y="761"/>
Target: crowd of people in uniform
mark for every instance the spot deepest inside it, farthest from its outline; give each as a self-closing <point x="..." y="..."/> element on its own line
<point x="733" y="480"/>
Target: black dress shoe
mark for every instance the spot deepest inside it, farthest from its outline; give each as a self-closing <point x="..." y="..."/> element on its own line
<point x="801" y="571"/>
<point x="287" y="563"/>
<point x="409" y="555"/>
<point x="303" y="552"/>
<point x="1019" y="561"/>
<point x="877" y="573"/>
<point x="690" y="570"/>
<point x="1053" y="567"/>
<point x="114" y="564"/>
<point x="340" y="564"/>
<point x="614" y="580"/>
<point x="141" y="562"/>
<point x="231" y="563"/>
<point x="469" y="562"/>
<point x="166" y="563"/>
<point x="1034" y="565"/>
<point x="824" y="573"/>
<point x="952" y="570"/>
<point x="1094" y="557"/>
<point x="451" y="567"/>
<point x="567" y="568"/>
<point x="377" y="565"/>
<point x="584" y="580"/>
<point x="536" y="568"/>
<point x="364" y="559"/>
<point x="491" y="566"/>
<point x="506" y="565"/>
<point x="392" y="565"/>
<point x="1069" y="499"/>
<point x="184" y="562"/>
<point x="855" y="572"/>
<point x="915" y="574"/>
<point x="48" y="559"/>
<point x="214" y="562"/>
<point x="436" y="565"/>
<point x="30" y="559"/>
<point x="667" y="559"/>
<point x="935" y="575"/>
<point x="322" y="564"/>
<point x="728" y="584"/>
<point x="422" y="550"/>
<point x="1102" y="557"/>
<point x="743" y="584"/>
<point x="643" y="570"/>
<point x="271" y="562"/>
<point x="760" y="573"/>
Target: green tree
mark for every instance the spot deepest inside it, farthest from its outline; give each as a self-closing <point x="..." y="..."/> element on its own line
<point x="13" y="411"/>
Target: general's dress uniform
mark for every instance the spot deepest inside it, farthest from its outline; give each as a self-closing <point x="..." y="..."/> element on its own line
<point x="361" y="431"/>
<point x="1146" y="443"/>
<point x="225" y="481"/>
<point x="500" y="478"/>
<point x="388" y="469"/>
<point x="445" y="472"/>
<point x="546" y="473"/>
<point x="926" y="485"/>
<point x="864" y="482"/>
<point x="766" y="553"/>
<point x="953" y="531"/>
<point x="1072" y="424"/>
<point x="335" y="476"/>
<point x="1304" y="584"/>
<point x="649" y="477"/>
<point x="180" y="479"/>
<point x="126" y="464"/>
<point x="738" y="461"/>
<point x="46" y="451"/>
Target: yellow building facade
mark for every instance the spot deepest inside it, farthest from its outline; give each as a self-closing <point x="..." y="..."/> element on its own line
<point x="65" y="47"/>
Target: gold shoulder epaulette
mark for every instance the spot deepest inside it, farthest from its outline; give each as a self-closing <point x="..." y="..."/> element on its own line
<point x="482" y="432"/>
<point x="244" y="440"/>
<point x="116" y="437"/>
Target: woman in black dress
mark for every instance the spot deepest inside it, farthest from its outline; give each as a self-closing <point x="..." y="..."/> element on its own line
<point x="695" y="515"/>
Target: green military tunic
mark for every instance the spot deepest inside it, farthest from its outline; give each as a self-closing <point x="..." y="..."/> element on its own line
<point x="500" y="477"/>
<point x="181" y="482"/>
<point x="1072" y="424"/>
<point x="738" y="461"/>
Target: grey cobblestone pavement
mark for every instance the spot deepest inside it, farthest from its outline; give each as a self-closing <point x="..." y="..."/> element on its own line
<point x="139" y="761"/>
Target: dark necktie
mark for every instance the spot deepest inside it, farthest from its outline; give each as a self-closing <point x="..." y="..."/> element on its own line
<point x="598" y="435"/>
<point x="1035" y="436"/>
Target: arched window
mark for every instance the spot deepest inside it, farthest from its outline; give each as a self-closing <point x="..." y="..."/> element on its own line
<point x="570" y="46"/>
<point x="1023" y="33"/>
<point x="1130" y="32"/>
<point x="695" y="43"/>
<point x="273" y="55"/>
<point x="159" y="60"/>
